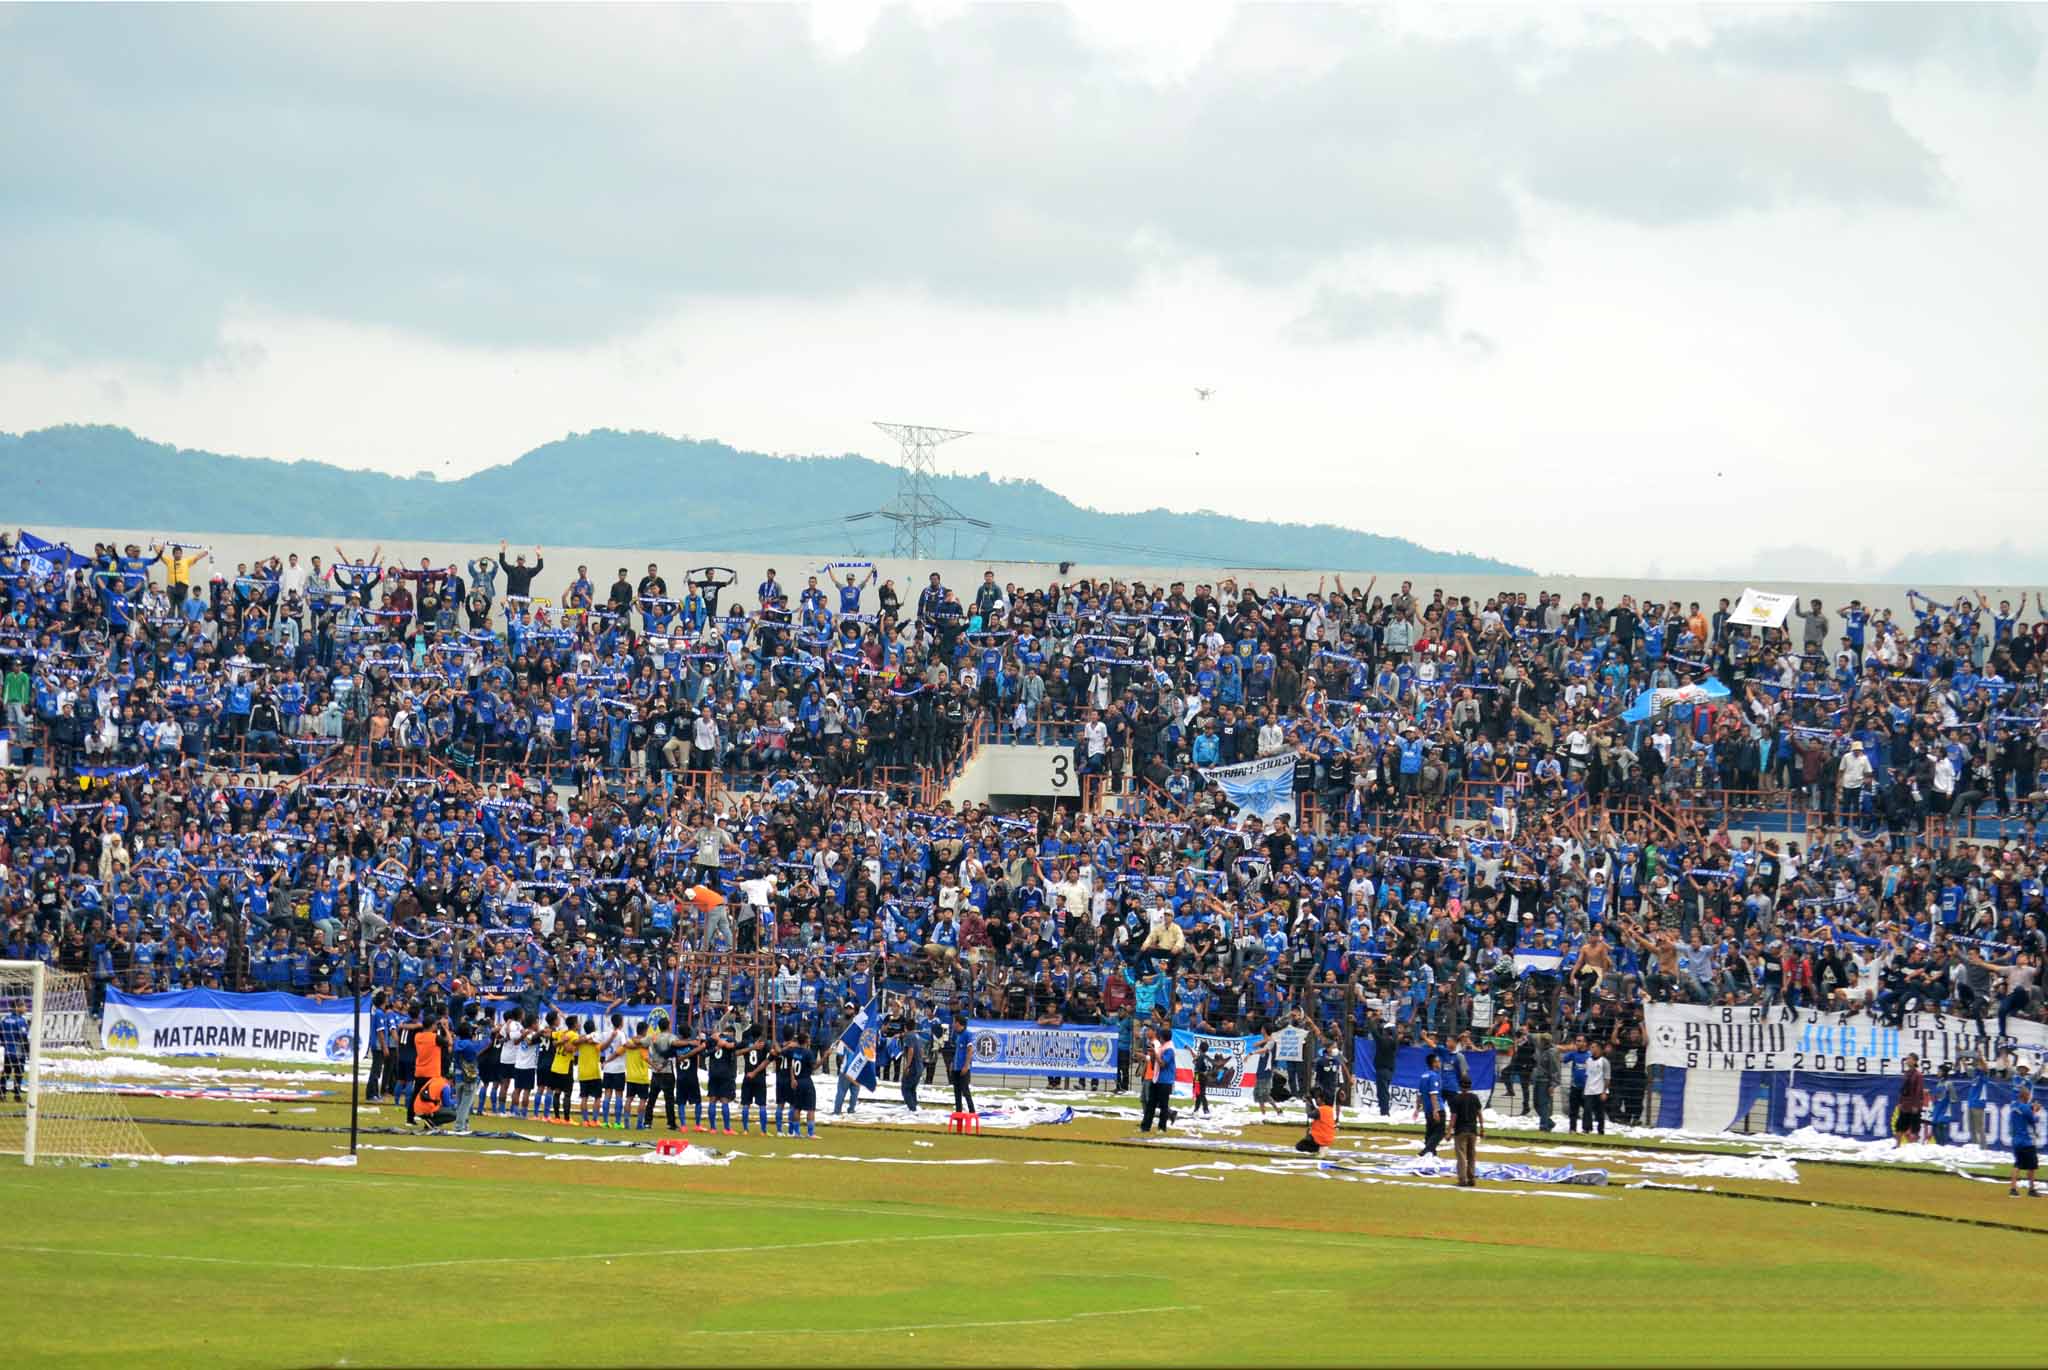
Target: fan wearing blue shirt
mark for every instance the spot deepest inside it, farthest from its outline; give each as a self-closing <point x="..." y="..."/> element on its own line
<point x="2022" y="1117"/>
<point x="962" y="1071"/>
<point x="1575" y="1099"/>
<point x="1431" y="1087"/>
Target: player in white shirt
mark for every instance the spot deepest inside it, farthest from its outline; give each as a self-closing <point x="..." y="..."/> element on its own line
<point x="504" y="1091"/>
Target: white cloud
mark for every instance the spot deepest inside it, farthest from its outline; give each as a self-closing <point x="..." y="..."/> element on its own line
<point x="1343" y="316"/>
<point x="1719" y="280"/>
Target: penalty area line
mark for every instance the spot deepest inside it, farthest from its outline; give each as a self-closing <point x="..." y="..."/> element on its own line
<point x="942" y="1326"/>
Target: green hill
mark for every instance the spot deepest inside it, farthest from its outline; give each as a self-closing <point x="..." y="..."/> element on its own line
<point x="613" y="489"/>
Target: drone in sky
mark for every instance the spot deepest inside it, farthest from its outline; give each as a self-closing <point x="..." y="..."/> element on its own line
<point x="1203" y="392"/>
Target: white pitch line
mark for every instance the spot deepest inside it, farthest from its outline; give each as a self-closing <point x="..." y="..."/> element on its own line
<point x="582" y="1192"/>
<point x="236" y="1189"/>
<point x="941" y="1326"/>
<point x="735" y="1250"/>
<point x="546" y="1260"/>
<point x="166" y="1256"/>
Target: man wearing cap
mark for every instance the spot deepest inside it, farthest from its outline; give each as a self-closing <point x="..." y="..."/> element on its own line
<point x="1853" y="775"/>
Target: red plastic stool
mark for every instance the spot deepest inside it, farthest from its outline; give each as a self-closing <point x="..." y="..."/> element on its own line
<point x="963" y="1122"/>
<point x="671" y="1146"/>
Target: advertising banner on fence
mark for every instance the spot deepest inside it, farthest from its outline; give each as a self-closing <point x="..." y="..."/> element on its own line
<point x="1234" y="1070"/>
<point x="269" y="1027"/>
<point x="1769" y="1039"/>
<point x="1078" y="1053"/>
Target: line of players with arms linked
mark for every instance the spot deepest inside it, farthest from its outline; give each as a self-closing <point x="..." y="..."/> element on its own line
<point x="597" y="1070"/>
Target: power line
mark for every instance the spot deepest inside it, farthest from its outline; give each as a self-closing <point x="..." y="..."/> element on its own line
<point x="724" y="539"/>
<point x="1177" y="555"/>
<point x="918" y="509"/>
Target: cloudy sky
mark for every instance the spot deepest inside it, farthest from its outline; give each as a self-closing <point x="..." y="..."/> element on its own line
<point x="1677" y="290"/>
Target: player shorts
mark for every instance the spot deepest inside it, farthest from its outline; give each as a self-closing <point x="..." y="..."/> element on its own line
<point x="523" y="1078"/>
<point x="615" y="1081"/>
<point x="719" y="1087"/>
<point x="560" y="1080"/>
<point x="636" y="1089"/>
<point x="2026" y="1158"/>
<point x="592" y="1088"/>
<point x="687" y="1090"/>
<point x="488" y="1068"/>
<point x="754" y="1092"/>
<point x="1908" y="1119"/>
<point x="806" y="1099"/>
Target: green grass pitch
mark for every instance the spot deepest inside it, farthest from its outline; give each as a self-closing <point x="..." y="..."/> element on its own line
<point x="1065" y="1247"/>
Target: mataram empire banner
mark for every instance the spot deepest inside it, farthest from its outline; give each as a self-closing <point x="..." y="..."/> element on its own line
<point x="1770" y="1039"/>
<point x="204" y="1022"/>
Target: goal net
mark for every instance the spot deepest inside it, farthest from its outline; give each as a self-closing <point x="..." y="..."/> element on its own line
<point x="45" y="1115"/>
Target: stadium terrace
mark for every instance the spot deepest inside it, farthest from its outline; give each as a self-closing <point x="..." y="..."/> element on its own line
<point x="1550" y="829"/>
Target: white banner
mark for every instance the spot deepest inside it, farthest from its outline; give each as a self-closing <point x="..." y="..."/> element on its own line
<point x="204" y="1022"/>
<point x="1262" y="789"/>
<point x="1234" y="1069"/>
<point x="1749" y="1038"/>
<point x="1762" y="609"/>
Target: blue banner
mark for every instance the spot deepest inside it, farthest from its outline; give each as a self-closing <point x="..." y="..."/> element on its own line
<point x="1410" y="1062"/>
<point x="1076" y="1052"/>
<point x="1858" y="1106"/>
<point x="1864" y="1106"/>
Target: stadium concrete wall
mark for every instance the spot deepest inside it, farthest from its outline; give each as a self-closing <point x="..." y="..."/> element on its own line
<point x="792" y="567"/>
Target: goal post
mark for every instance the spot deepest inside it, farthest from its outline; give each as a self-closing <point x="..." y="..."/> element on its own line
<point x="41" y="1010"/>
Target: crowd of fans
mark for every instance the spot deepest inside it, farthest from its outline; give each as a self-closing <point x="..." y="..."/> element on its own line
<point x="567" y="796"/>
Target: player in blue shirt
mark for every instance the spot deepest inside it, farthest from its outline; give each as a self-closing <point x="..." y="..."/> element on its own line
<point x="801" y="1063"/>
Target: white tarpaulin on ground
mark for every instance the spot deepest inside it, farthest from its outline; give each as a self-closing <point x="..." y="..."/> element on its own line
<point x="1763" y="609"/>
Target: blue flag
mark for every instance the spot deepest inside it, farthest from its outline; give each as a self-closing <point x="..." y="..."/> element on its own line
<point x="1678" y="701"/>
<point x="41" y="557"/>
<point x="863" y="1040"/>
